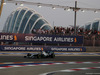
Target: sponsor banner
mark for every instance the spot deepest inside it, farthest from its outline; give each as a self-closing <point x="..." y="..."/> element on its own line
<point x="68" y="49"/>
<point x="39" y="48"/>
<point x="34" y="38"/>
<point x="20" y="48"/>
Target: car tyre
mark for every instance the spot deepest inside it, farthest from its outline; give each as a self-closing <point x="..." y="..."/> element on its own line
<point x="24" y="56"/>
<point x="38" y="56"/>
<point x="53" y="55"/>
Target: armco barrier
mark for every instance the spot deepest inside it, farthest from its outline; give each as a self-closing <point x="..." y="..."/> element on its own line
<point x="39" y="48"/>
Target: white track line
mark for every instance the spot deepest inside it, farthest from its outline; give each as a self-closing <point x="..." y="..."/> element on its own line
<point x="70" y="70"/>
<point x="41" y="64"/>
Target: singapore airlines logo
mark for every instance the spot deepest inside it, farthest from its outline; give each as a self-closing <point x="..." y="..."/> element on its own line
<point x="80" y="49"/>
<point x="15" y="38"/>
<point x="75" y="40"/>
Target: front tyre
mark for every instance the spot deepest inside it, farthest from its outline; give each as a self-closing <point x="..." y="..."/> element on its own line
<point x="24" y="56"/>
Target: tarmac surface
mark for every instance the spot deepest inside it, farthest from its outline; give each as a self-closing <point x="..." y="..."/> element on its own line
<point x="57" y="58"/>
<point x="72" y="65"/>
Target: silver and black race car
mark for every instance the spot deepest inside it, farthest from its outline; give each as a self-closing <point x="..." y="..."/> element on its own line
<point x="42" y="54"/>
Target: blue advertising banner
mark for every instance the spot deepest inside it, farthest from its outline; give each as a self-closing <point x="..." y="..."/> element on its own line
<point x="68" y="49"/>
<point x="39" y="48"/>
<point x="20" y="48"/>
<point x="34" y="38"/>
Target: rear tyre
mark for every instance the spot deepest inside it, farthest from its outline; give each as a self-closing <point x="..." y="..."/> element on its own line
<point x="38" y="56"/>
<point x="28" y="54"/>
<point x="53" y="56"/>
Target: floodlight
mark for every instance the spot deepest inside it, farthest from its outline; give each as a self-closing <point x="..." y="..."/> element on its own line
<point x="68" y="9"/>
<point x="82" y="10"/>
<point x="53" y="8"/>
<point x="39" y="6"/>
<point x="95" y="12"/>
<point x="4" y="3"/>
<point x="21" y="4"/>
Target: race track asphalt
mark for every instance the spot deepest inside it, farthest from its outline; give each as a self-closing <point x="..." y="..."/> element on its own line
<point x="57" y="58"/>
<point x="52" y="68"/>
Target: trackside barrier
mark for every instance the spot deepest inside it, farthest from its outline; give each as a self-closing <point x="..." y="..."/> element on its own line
<point x="71" y="53"/>
<point x="36" y="38"/>
<point x="39" y="48"/>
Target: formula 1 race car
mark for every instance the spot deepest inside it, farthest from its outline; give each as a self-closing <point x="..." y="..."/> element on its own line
<point x="42" y="54"/>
